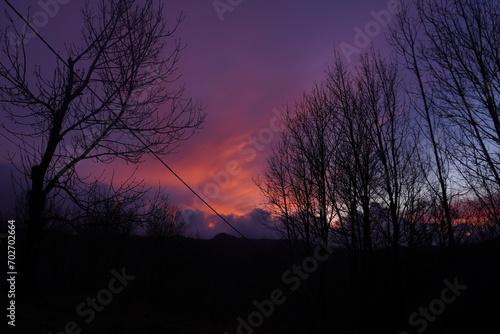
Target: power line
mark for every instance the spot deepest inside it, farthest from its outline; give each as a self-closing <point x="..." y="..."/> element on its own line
<point x="36" y="32"/>
<point x="137" y="135"/>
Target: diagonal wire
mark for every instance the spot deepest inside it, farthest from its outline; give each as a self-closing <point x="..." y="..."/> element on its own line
<point x="36" y="32"/>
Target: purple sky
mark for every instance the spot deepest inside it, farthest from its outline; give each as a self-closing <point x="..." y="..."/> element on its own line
<point x="263" y="55"/>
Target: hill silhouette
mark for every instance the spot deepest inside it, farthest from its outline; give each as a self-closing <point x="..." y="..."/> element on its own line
<point x="185" y="285"/>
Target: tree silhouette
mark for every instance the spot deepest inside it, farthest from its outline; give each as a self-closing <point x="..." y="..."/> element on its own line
<point x="113" y="97"/>
<point x="163" y="219"/>
<point x="452" y="49"/>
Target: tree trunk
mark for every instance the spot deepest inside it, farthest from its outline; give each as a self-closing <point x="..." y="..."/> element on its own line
<point x="34" y="230"/>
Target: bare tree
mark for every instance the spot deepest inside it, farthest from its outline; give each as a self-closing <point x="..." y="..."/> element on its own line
<point x="356" y="162"/>
<point x="465" y="65"/>
<point x="407" y="37"/>
<point x="453" y="50"/>
<point x="274" y="185"/>
<point x="163" y="219"/>
<point x="347" y="164"/>
<point x="345" y="168"/>
<point x="113" y="97"/>
<point x="296" y="184"/>
<point x="106" y="211"/>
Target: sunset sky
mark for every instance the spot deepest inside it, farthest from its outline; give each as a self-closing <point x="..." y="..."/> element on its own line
<point x="241" y="64"/>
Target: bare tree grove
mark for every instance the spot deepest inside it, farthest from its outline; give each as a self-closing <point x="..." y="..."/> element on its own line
<point x="369" y="154"/>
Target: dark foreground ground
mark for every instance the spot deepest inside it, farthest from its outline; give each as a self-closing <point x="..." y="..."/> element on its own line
<point x="109" y="284"/>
